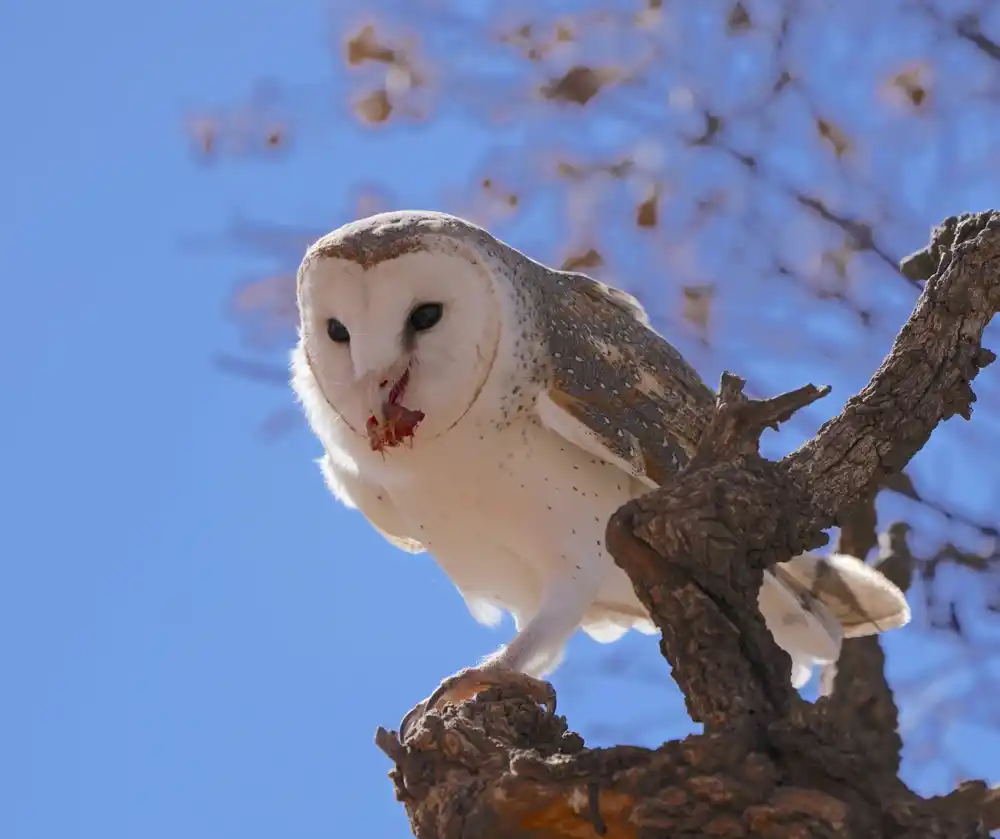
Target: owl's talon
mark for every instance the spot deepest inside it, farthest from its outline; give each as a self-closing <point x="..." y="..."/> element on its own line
<point x="414" y="714"/>
<point x="467" y="683"/>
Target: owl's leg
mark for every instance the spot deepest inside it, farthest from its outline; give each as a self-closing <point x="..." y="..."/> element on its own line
<point x="534" y="651"/>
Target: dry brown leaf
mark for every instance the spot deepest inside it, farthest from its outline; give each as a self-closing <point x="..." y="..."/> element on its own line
<point x="738" y="19"/>
<point x="784" y="80"/>
<point x="911" y="85"/>
<point x="697" y="309"/>
<point x="588" y="259"/>
<point x="579" y="84"/>
<point x="835" y="136"/>
<point x="374" y="108"/>
<point x="647" y="214"/>
<point x="365" y="47"/>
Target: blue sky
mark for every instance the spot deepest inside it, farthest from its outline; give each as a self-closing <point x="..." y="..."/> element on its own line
<point x="196" y="640"/>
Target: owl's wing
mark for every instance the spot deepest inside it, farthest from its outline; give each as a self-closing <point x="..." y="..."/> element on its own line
<point x="812" y="602"/>
<point x="800" y="624"/>
<point x="355" y="492"/>
<point x="617" y="389"/>
<point x="620" y="392"/>
<point x="556" y="412"/>
<point x="860" y="597"/>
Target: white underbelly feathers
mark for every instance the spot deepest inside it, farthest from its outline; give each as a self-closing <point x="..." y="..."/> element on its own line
<point x="503" y="516"/>
<point x="507" y="513"/>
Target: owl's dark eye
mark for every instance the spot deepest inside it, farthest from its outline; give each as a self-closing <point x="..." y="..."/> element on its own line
<point x="425" y="316"/>
<point x="337" y="331"/>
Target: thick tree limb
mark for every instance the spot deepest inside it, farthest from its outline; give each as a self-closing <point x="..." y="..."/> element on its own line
<point x="859" y="529"/>
<point x="925" y="379"/>
<point x="768" y="764"/>
<point x="858" y="696"/>
<point x="677" y="545"/>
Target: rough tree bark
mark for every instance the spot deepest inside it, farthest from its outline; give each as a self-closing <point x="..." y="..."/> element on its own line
<point x="768" y="764"/>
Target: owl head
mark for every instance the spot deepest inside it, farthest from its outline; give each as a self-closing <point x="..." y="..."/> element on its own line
<point x="398" y="309"/>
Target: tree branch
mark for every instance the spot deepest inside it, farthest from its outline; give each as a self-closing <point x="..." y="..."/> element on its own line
<point x="768" y="764"/>
<point x="697" y="568"/>
<point x="857" y="695"/>
<point x="925" y="379"/>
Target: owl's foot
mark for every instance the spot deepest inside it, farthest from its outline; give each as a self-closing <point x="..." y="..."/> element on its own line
<point x="465" y="684"/>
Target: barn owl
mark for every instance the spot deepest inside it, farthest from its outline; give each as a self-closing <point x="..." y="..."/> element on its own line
<point x="477" y="405"/>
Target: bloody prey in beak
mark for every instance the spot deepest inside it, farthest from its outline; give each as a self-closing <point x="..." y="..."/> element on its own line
<point x="400" y="422"/>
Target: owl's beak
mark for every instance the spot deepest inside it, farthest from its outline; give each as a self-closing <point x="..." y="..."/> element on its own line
<point x="389" y="390"/>
<point x="392" y="422"/>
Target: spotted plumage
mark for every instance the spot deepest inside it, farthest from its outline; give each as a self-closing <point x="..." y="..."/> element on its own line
<point x="548" y="401"/>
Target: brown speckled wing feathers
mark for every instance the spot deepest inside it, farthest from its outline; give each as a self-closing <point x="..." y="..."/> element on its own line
<point x="617" y="376"/>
